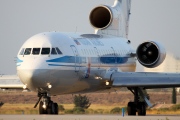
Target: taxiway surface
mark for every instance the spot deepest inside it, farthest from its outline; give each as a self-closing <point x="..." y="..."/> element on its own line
<point x="85" y="117"/>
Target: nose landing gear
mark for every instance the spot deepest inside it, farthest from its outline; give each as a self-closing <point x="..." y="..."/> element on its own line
<point x="46" y="106"/>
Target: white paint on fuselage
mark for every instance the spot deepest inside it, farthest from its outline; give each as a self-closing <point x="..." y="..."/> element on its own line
<point x="66" y="76"/>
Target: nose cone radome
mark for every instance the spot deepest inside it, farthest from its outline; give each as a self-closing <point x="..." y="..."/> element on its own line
<point x="34" y="79"/>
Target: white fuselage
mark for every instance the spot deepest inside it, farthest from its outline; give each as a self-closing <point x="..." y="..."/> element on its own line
<point x="80" y="64"/>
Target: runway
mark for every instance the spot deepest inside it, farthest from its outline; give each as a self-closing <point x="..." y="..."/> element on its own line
<point x="85" y="117"/>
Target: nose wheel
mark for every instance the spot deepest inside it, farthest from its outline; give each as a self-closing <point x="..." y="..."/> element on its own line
<point x="46" y="106"/>
<point x="51" y="108"/>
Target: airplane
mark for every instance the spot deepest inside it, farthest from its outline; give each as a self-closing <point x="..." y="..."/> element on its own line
<point x="56" y="63"/>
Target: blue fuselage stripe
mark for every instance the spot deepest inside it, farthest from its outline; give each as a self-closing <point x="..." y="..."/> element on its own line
<point x="94" y="60"/>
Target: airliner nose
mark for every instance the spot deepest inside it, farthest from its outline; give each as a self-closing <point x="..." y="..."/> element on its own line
<point x="34" y="79"/>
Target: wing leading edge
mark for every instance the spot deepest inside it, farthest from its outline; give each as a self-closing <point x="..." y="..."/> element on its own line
<point x="146" y="80"/>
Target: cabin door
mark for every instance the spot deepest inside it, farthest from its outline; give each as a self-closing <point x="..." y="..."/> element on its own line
<point x="98" y="57"/>
<point x="76" y="58"/>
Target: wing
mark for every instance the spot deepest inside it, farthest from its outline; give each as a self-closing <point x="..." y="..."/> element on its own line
<point x="10" y="82"/>
<point x="146" y="80"/>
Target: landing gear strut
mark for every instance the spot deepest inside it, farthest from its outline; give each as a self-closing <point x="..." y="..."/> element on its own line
<point x="46" y="106"/>
<point x="138" y="105"/>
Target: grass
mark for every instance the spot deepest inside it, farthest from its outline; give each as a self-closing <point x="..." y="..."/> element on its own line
<point x="164" y="112"/>
<point x="94" y="106"/>
<point x="105" y="109"/>
<point x="18" y="109"/>
<point x="94" y="109"/>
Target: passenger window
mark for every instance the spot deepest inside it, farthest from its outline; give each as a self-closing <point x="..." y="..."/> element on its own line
<point x="22" y="52"/>
<point x="53" y="52"/>
<point x="36" y="51"/>
<point x="58" y="51"/>
<point x="27" y="51"/>
<point x="45" y="51"/>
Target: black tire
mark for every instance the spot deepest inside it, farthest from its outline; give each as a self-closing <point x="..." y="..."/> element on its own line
<point x="50" y="108"/>
<point x="56" y="108"/>
<point x="131" y="108"/>
<point x="41" y="109"/>
<point x="142" y="109"/>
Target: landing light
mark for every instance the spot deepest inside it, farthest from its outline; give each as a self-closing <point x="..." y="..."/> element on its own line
<point x="107" y="83"/>
<point x="44" y="106"/>
<point x="25" y="86"/>
<point x="49" y="85"/>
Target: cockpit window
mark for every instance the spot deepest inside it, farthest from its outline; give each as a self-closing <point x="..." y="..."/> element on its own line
<point x="58" y="51"/>
<point x="36" y="51"/>
<point x="27" y="51"/>
<point x="53" y="52"/>
<point x="22" y="52"/>
<point x="45" y="51"/>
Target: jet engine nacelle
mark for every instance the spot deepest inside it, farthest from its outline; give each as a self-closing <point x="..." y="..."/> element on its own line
<point x="150" y="54"/>
<point x="102" y="17"/>
<point x="111" y="20"/>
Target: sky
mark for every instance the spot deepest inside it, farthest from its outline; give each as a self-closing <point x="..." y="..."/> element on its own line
<point x="20" y="19"/>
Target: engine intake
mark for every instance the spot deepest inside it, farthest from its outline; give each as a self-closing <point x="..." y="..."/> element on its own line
<point x="150" y="54"/>
<point x="100" y="17"/>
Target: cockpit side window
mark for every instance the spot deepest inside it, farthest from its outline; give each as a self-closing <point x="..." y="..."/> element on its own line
<point x="45" y="51"/>
<point x="22" y="52"/>
<point x="53" y="52"/>
<point x="27" y="51"/>
<point x="58" y="51"/>
<point x="36" y="51"/>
